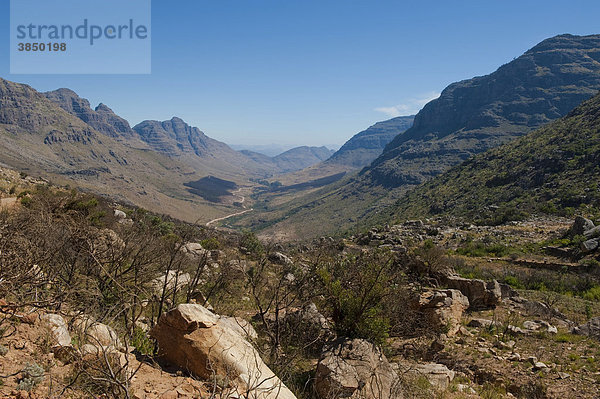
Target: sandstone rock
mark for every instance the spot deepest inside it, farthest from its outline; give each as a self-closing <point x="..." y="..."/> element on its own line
<point x="355" y="369"/>
<point x="443" y="309"/>
<point x="97" y="334"/>
<point x="58" y="328"/>
<point x="438" y="375"/>
<point x="174" y="281"/>
<point x="240" y="326"/>
<point x="196" y="340"/>
<point x="481" y="294"/>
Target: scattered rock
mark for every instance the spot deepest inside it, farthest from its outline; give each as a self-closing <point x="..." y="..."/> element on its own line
<point x="539" y="366"/>
<point x="198" y="341"/>
<point x="97" y="334"/>
<point x="355" y="369"/>
<point x="539" y="326"/>
<point x="194" y="250"/>
<point x="592" y="233"/>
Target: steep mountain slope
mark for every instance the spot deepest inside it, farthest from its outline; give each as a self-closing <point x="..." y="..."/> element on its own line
<point x="477" y="114"/>
<point x="469" y="117"/>
<point x="41" y="138"/>
<point x="555" y="169"/>
<point x="364" y="147"/>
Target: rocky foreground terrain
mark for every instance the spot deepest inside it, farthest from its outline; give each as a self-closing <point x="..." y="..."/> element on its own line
<point x="101" y="300"/>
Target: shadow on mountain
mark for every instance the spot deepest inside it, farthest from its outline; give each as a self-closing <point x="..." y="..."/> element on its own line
<point x="211" y="188"/>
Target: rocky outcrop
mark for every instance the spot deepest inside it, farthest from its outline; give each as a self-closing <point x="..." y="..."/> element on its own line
<point x="591" y="233"/>
<point x="590" y="329"/>
<point x="443" y="309"/>
<point x="280" y="259"/>
<point x="580" y="226"/>
<point x="355" y="368"/>
<point x="481" y="294"/>
<point x="196" y="340"/>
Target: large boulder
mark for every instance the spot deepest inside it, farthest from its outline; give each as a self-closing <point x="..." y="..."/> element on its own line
<point x="198" y="341"/>
<point x="443" y="309"/>
<point x="580" y="226"/>
<point x="239" y="325"/>
<point x="58" y="329"/>
<point x="355" y="368"/>
<point x="481" y="294"/>
<point x="96" y="334"/>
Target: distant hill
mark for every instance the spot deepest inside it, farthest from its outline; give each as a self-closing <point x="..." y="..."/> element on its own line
<point x="359" y="151"/>
<point x="468" y="118"/>
<point x="554" y="170"/>
<point x="301" y="157"/>
<point x="364" y="147"/>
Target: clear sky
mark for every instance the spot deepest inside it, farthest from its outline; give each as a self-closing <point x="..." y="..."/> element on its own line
<point x="312" y="72"/>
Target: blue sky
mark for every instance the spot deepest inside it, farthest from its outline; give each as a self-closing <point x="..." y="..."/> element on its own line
<point x="312" y="72"/>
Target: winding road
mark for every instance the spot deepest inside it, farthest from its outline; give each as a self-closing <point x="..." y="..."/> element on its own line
<point x="242" y="199"/>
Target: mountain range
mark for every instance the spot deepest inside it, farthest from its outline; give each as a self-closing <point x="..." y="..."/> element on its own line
<point x="58" y="135"/>
<point x="468" y="118"/>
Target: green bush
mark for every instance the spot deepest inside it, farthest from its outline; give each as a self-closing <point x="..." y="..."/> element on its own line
<point x="357" y="287"/>
<point x="593" y="294"/>
<point x="210" y="243"/>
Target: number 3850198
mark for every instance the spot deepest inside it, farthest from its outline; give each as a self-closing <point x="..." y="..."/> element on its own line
<point x="42" y="46"/>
